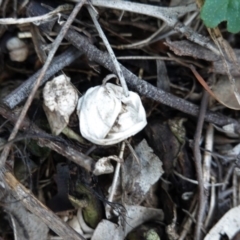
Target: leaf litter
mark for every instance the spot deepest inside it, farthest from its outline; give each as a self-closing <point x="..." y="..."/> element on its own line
<point x="118" y="160"/>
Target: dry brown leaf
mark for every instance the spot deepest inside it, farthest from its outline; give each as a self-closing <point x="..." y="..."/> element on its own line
<point x="225" y="94"/>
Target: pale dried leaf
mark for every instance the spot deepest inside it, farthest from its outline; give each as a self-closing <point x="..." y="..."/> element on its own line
<point x="109" y="230"/>
<point x="139" y="178"/>
<point x="74" y="224"/>
<point x="229" y="224"/>
<point x="60" y="100"/>
<point x="137" y="215"/>
<point x="224" y="92"/>
<point x="229" y="130"/>
<point x="234" y="151"/>
<point x="28" y="226"/>
<point x="104" y="166"/>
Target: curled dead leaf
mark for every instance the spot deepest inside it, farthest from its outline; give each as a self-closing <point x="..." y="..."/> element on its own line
<point x="60" y="100"/>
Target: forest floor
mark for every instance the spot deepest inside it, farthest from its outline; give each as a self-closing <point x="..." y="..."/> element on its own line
<point x="118" y="120"/>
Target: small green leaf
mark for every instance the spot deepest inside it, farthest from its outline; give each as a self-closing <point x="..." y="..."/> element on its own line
<point x="233" y="16"/>
<point x="214" y="12"/>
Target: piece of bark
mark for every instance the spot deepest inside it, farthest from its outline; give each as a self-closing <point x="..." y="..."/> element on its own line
<point x="186" y="48"/>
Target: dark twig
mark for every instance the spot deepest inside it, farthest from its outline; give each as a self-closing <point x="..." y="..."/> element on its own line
<point x="169" y="15"/>
<point x="44" y="139"/>
<point x="56" y="44"/>
<point x="58" y="63"/>
<point x="198" y="164"/>
<point x="141" y="86"/>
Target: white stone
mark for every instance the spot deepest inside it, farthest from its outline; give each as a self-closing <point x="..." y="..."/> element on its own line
<point x="18" y="50"/>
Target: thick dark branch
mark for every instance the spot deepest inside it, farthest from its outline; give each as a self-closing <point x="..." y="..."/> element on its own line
<point x="141" y="86"/>
<point x="47" y="140"/>
<point x="58" y="63"/>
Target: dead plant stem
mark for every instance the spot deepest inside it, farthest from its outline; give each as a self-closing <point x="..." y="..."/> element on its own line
<point x="207" y="159"/>
<point x="169" y="15"/>
<point x="43" y="18"/>
<point x="120" y="75"/>
<point x="198" y="165"/>
<point x="116" y="174"/>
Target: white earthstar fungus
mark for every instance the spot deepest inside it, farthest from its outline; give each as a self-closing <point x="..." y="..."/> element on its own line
<point x="107" y="117"/>
<point x="60" y="100"/>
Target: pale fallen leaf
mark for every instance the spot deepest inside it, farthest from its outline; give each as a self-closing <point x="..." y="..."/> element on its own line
<point x="228" y="130"/>
<point x="139" y="178"/>
<point x="60" y="100"/>
<point x="224" y="92"/>
<point x="135" y="216"/>
<point x="229" y="225"/>
<point x="234" y="151"/>
<point x="27" y="225"/>
<point x="108" y="231"/>
<point x="74" y="224"/>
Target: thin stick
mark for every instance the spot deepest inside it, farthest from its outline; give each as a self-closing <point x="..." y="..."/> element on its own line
<point x="198" y="164"/>
<point x="56" y="44"/>
<point x="169" y="15"/>
<point x="39" y="19"/>
<point x="207" y="159"/>
<point x="196" y="182"/>
<point x="144" y="58"/>
<point x="236" y="174"/>
<point x="133" y="152"/>
<point x="155" y="36"/>
<point x="187" y="226"/>
<point x="110" y="51"/>
<point x="115" y="182"/>
<point x="212" y="204"/>
<point x="13" y="226"/>
<point x="116" y="174"/>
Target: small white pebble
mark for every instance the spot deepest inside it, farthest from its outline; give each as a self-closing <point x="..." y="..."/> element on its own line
<point x="18" y="50"/>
